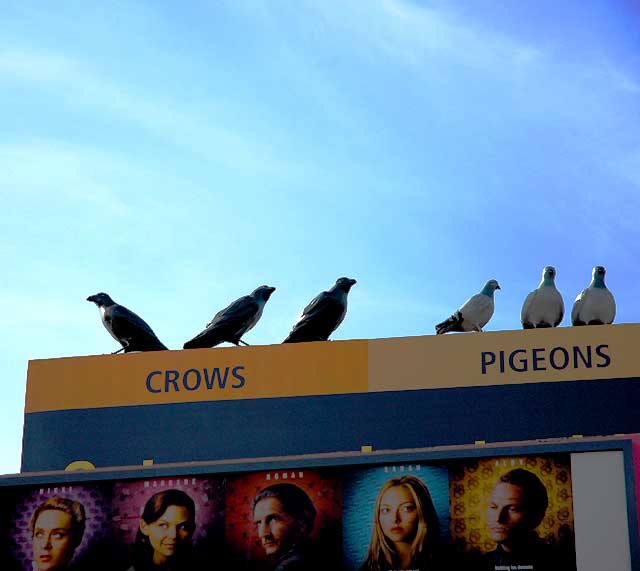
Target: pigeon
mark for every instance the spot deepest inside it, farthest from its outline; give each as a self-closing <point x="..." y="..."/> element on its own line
<point x="323" y="314"/>
<point x="543" y="307"/>
<point x="231" y="323"/>
<point x="125" y="326"/>
<point x="594" y="305"/>
<point x="474" y="314"/>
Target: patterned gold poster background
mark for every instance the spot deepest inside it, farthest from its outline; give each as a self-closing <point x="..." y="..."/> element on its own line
<point x="472" y="481"/>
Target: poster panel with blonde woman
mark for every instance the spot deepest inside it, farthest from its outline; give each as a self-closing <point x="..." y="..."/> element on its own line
<point x="62" y="528"/>
<point x="56" y="526"/>
<point x="396" y="518"/>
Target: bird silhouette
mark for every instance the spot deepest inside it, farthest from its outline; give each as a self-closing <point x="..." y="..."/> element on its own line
<point x="544" y="306"/>
<point x="126" y="327"/>
<point x="232" y="322"/>
<point x="474" y="314"/>
<point x="323" y="315"/>
<point x="594" y="305"/>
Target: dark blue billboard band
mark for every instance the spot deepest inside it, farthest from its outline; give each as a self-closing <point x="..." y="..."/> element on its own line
<point x="306" y="425"/>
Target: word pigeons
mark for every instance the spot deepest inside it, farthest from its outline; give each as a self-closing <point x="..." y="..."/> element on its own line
<point x="543" y="307"/>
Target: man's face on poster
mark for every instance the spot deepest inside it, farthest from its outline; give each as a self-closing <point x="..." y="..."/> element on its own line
<point x="278" y="530"/>
<point x="508" y="517"/>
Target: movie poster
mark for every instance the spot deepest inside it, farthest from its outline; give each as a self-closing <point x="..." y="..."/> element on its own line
<point x="61" y="527"/>
<point x="396" y="517"/>
<point x="175" y="523"/>
<point x="513" y="513"/>
<point x="489" y="514"/>
<point x="284" y="519"/>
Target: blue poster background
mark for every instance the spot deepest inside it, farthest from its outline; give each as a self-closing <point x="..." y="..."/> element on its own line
<point x="360" y="489"/>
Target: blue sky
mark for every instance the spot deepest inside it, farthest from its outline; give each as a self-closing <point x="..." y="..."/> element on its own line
<point x="178" y="156"/>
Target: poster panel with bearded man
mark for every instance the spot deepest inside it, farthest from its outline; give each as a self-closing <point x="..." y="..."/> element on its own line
<point x="284" y="520"/>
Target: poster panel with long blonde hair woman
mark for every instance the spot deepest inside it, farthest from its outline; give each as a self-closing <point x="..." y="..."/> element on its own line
<point x="396" y="518"/>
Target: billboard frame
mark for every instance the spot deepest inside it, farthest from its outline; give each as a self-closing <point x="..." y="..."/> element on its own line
<point x="346" y="459"/>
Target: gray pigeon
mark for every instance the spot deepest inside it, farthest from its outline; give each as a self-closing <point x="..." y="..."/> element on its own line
<point x="474" y="314"/>
<point x="594" y="305"/>
<point x="231" y="323"/>
<point x="125" y="326"/>
<point x="323" y="315"/>
<point x="543" y="307"/>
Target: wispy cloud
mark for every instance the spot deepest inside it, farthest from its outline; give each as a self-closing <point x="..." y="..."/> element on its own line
<point x="51" y="169"/>
<point x="201" y="132"/>
<point x="417" y="35"/>
<point x="609" y="74"/>
<point x="24" y="310"/>
<point x="417" y="31"/>
<point x="627" y="167"/>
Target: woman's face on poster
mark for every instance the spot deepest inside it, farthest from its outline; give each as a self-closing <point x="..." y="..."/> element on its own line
<point x="169" y="533"/>
<point x="53" y="544"/>
<point x="398" y="515"/>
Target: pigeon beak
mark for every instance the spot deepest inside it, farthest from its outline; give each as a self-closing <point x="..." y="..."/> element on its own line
<point x="498" y="286"/>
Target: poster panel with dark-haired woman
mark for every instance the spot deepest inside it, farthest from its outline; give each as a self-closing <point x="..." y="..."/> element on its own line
<point x="514" y="513"/>
<point x="285" y="520"/>
<point x="168" y="523"/>
<point x="55" y="528"/>
<point x="396" y="517"/>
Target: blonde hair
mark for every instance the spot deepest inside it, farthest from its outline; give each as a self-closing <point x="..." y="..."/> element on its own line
<point x="382" y="554"/>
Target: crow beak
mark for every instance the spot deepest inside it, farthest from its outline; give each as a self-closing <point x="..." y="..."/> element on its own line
<point x="91" y="298"/>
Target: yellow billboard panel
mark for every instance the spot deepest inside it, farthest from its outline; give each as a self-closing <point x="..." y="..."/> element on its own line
<point x="504" y="357"/>
<point x="339" y="367"/>
<point x="196" y="375"/>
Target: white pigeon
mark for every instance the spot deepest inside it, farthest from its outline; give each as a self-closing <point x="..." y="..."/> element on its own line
<point x="474" y="314"/>
<point x="594" y="305"/>
<point x="543" y="307"/>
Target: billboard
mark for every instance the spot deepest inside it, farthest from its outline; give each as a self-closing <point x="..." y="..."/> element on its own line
<point x="331" y="368"/>
<point x="306" y="398"/>
<point x="475" y="513"/>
